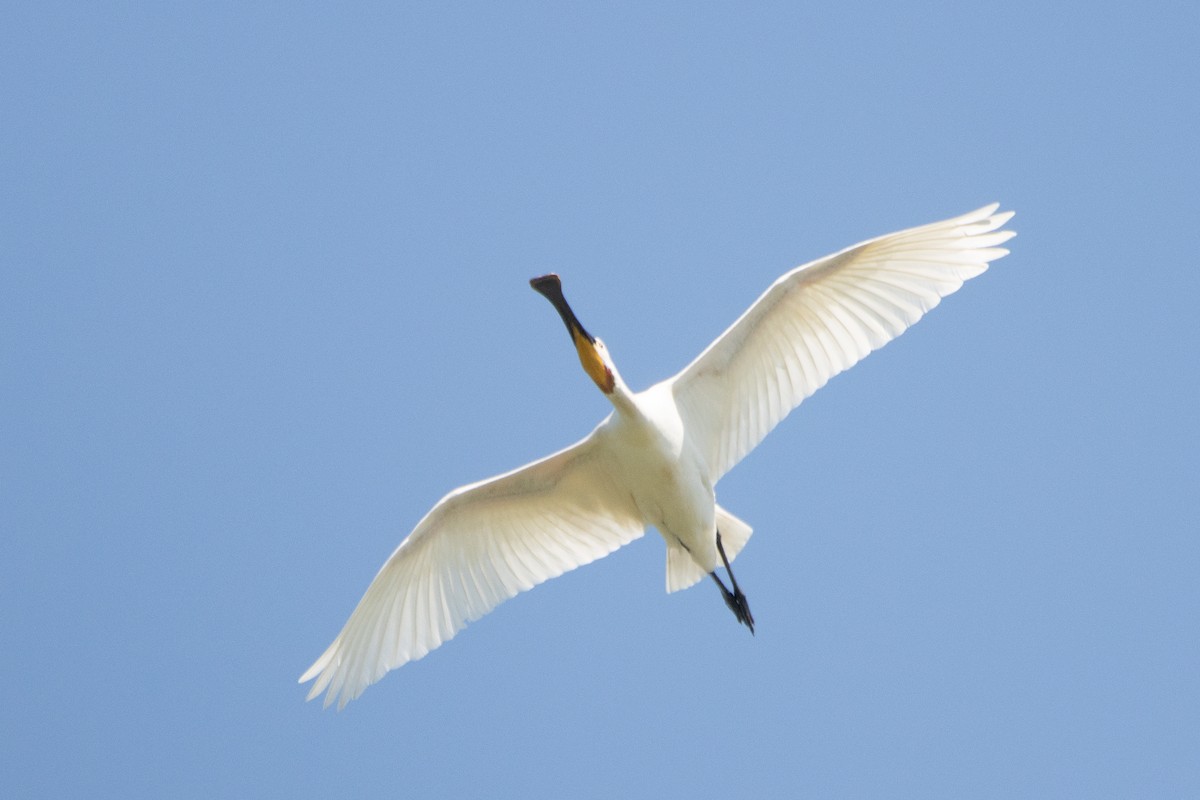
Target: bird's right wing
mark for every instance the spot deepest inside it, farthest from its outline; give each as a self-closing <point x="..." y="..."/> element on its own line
<point x="479" y="546"/>
<point x="821" y="319"/>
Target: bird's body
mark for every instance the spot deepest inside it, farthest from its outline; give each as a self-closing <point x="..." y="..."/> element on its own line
<point x="662" y="471"/>
<point x="656" y="459"/>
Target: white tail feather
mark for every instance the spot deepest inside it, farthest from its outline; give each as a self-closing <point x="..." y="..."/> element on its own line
<point x="683" y="572"/>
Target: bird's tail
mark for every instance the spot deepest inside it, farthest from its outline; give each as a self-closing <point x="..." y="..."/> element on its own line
<point x="683" y="572"/>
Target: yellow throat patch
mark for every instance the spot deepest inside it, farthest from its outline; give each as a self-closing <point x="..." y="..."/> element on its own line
<point x="593" y="365"/>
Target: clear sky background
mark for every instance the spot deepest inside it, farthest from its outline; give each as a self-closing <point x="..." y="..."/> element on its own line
<point x="264" y="300"/>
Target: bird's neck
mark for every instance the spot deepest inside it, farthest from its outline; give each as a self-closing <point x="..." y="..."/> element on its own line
<point x="621" y="398"/>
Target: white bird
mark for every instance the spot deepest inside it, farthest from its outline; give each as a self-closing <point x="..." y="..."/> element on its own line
<point x="655" y="460"/>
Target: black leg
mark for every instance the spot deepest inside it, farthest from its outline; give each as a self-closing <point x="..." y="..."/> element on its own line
<point x="735" y="599"/>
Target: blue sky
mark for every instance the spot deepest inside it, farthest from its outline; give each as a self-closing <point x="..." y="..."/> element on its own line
<point x="263" y="300"/>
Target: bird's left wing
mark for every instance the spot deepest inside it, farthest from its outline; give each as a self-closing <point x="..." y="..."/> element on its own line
<point x="820" y="319"/>
<point x="479" y="546"/>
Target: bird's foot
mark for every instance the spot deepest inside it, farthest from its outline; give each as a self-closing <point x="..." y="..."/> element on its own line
<point x="740" y="608"/>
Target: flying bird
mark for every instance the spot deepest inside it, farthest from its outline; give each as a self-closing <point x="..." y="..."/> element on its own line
<point x="657" y="458"/>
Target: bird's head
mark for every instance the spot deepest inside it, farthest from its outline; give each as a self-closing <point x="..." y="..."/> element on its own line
<point x="593" y="355"/>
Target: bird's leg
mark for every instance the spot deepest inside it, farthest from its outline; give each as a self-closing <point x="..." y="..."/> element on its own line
<point x="735" y="599"/>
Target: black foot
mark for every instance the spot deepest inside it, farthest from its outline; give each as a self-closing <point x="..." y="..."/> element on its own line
<point x="740" y="608"/>
<point x="737" y="603"/>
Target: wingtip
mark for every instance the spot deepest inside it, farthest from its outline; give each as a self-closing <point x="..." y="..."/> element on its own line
<point x="986" y="221"/>
<point x="1003" y="217"/>
<point x="990" y="213"/>
<point x="319" y="665"/>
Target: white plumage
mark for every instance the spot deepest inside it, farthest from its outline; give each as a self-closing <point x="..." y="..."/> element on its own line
<point x="656" y="459"/>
